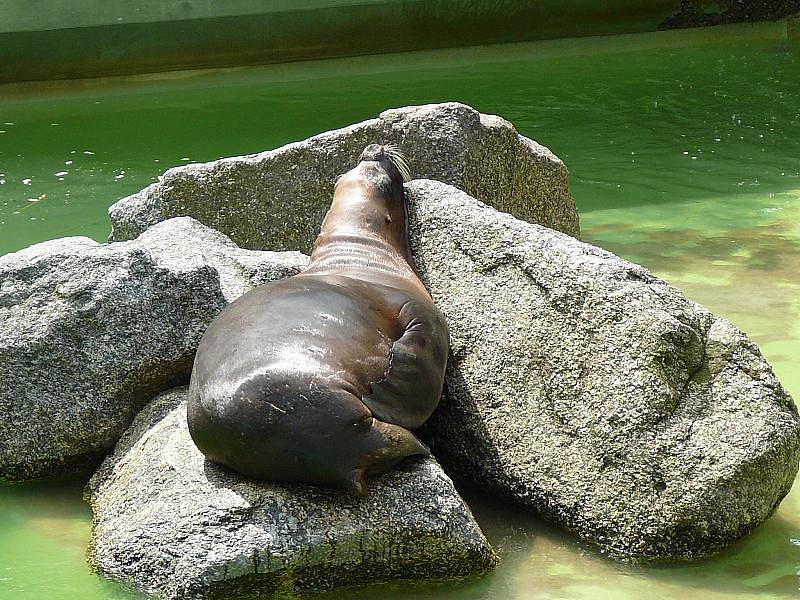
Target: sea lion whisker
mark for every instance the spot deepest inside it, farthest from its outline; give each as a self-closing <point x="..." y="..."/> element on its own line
<point x="398" y="160"/>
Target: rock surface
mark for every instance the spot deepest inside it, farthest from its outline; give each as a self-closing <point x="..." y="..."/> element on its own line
<point x="276" y="200"/>
<point x="90" y="332"/>
<point x="589" y="390"/>
<point x="171" y="523"/>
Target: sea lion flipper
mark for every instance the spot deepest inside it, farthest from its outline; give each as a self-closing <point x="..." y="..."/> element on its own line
<point x="410" y="388"/>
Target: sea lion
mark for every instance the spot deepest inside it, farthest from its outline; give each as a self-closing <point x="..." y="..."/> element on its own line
<point x="319" y="377"/>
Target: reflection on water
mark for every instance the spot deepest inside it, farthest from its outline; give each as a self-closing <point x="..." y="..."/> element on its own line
<point x="684" y="154"/>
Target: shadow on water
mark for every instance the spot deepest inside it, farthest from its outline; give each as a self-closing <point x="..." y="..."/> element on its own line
<point x="548" y="562"/>
<point x="539" y="560"/>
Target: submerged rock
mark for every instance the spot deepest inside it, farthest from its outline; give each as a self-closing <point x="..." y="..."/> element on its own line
<point x="171" y="523"/>
<point x="89" y="332"/>
<point x="584" y="387"/>
<point x="278" y="199"/>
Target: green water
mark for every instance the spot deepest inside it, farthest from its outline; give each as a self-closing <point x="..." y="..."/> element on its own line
<point x="684" y="152"/>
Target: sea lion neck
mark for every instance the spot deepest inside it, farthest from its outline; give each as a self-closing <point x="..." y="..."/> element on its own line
<point x="369" y="210"/>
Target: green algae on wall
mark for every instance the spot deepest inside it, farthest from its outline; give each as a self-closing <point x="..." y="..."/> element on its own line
<point x="59" y="40"/>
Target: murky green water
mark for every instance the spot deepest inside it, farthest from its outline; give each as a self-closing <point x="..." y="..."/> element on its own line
<point x="684" y="150"/>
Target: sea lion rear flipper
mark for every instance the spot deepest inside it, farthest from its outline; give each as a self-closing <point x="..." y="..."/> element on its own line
<point x="412" y="384"/>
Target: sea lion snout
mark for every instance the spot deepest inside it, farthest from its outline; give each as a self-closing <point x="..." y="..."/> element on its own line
<point x="389" y="156"/>
<point x="372" y="152"/>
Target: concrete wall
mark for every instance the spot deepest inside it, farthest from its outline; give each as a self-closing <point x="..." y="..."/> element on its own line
<point x="60" y="39"/>
<point x="39" y="15"/>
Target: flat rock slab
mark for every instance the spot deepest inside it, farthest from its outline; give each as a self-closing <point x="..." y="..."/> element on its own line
<point x="90" y="332"/>
<point x="584" y="387"/>
<point x="173" y="524"/>
<point x="276" y="200"/>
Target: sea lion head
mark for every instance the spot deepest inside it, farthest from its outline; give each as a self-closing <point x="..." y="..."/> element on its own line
<point x="369" y="200"/>
<point x="389" y="158"/>
<point x="381" y="171"/>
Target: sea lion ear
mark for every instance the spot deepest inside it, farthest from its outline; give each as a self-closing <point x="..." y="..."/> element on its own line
<point x="355" y="484"/>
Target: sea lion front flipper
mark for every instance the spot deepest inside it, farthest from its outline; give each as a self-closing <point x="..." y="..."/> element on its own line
<point x="411" y="386"/>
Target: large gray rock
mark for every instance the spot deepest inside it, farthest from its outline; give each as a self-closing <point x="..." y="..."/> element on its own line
<point x="90" y="332"/>
<point x="277" y="199"/>
<point x="171" y="523"/>
<point x="589" y="390"/>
